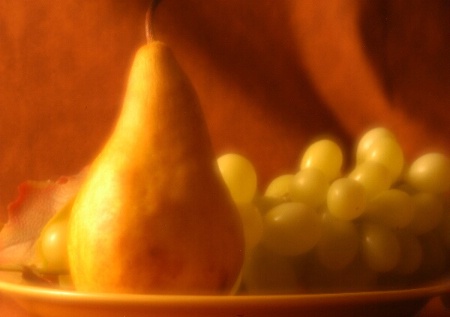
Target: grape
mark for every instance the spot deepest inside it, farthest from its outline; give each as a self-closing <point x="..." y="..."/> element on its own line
<point x="367" y="139"/>
<point x="339" y="243"/>
<point x="65" y="282"/>
<point x="430" y="173"/>
<point x="444" y="229"/>
<point x="428" y="212"/>
<point x="291" y="229"/>
<point x="252" y="223"/>
<point x="280" y="186"/>
<point x="326" y="156"/>
<point x="387" y="152"/>
<point x="324" y="230"/>
<point x="435" y="256"/>
<point x="264" y="203"/>
<point x="380" y="247"/>
<point x="346" y="199"/>
<point x="373" y="176"/>
<point x="239" y="176"/>
<point x="53" y="247"/>
<point x="392" y="208"/>
<point x="309" y="186"/>
<point x="356" y="277"/>
<point x="266" y="272"/>
<point x="411" y="253"/>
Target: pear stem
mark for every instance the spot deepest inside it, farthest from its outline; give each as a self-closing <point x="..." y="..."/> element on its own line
<point x="149" y="28"/>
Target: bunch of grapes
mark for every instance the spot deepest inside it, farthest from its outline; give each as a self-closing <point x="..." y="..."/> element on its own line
<point x="382" y="223"/>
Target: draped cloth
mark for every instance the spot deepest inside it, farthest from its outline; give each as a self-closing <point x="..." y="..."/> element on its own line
<point x="271" y="76"/>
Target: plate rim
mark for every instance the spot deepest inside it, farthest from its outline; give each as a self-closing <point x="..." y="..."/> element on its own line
<point x="16" y="290"/>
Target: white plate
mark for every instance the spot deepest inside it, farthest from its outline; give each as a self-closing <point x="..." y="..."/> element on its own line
<point x="46" y="302"/>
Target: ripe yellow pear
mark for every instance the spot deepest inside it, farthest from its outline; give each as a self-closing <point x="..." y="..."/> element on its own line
<point x="153" y="215"/>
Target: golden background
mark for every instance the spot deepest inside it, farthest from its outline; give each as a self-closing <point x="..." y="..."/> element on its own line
<point x="271" y="75"/>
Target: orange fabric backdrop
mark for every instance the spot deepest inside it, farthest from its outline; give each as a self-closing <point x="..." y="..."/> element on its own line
<point x="271" y="75"/>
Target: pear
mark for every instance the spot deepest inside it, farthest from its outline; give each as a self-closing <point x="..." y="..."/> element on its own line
<point x="153" y="214"/>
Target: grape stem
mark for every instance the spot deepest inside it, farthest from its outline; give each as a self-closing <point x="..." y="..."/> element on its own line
<point x="149" y="28"/>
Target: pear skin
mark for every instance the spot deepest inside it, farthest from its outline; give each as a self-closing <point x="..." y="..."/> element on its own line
<point x="153" y="215"/>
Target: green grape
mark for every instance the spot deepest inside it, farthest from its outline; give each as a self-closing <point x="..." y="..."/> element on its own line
<point x="53" y="247"/>
<point x="339" y="243"/>
<point x="367" y="139"/>
<point x="392" y="208"/>
<point x="265" y="272"/>
<point x="356" y="277"/>
<point x="264" y="203"/>
<point x="373" y="176"/>
<point x="291" y="229"/>
<point x="65" y="282"/>
<point x="430" y="173"/>
<point x="239" y="176"/>
<point x="346" y="199"/>
<point x="310" y="187"/>
<point x="326" y="156"/>
<point x="252" y="223"/>
<point x="435" y="256"/>
<point x="428" y="212"/>
<point x="411" y="253"/>
<point x="387" y="152"/>
<point x="380" y="247"/>
<point x="279" y="187"/>
<point x="444" y="228"/>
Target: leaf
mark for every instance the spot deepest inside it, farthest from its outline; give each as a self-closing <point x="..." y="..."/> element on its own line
<point x="36" y="203"/>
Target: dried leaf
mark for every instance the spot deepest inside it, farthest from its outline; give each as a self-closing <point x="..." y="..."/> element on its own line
<point x="36" y="203"/>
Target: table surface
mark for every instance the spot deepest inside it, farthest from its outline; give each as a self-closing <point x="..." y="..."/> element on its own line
<point x="434" y="308"/>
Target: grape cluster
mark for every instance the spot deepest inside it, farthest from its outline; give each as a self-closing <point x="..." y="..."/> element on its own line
<point x="382" y="223"/>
